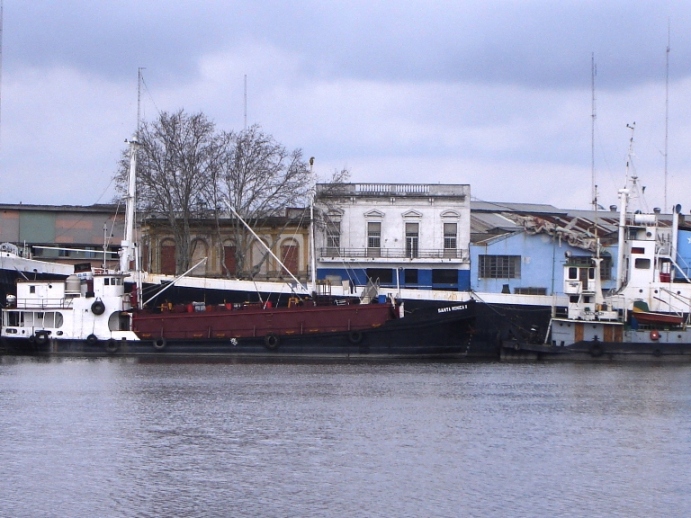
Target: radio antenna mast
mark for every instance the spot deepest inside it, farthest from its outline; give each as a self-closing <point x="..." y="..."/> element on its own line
<point x="1" y="14"/>
<point x="140" y="80"/>
<point x="667" y="107"/>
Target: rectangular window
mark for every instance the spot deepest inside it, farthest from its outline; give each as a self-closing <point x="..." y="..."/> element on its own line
<point x="642" y="264"/>
<point x="373" y="239"/>
<point x="500" y="266"/>
<point x="532" y="291"/>
<point x="412" y="235"/>
<point x="380" y="275"/>
<point x="605" y="266"/>
<point x="450" y="239"/>
<point x="410" y="276"/>
<point x="444" y="276"/>
<point x="333" y="238"/>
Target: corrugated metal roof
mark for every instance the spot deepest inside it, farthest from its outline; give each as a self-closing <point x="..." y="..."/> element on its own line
<point x="533" y="208"/>
<point x="492" y="220"/>
<point x="105" y="207"/>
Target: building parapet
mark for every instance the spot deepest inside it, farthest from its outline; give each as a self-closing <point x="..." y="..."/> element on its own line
<point x="392" y="189"/>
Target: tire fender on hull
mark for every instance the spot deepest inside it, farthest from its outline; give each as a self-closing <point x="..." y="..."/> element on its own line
<point x="271" y="341"/>
<point x="98" y="308"/>
<point x="596" y="350"/>
<point x="355" y="337"/>
<point x="112" y="346"/>
<point x="41" y="338"/>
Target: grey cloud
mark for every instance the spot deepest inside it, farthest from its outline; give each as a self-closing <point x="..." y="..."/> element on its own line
<point x="538" y="44"/>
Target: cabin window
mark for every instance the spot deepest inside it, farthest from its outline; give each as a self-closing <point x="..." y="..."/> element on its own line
<point x="32" y="289"/>
<point x="14" y="319"/>
<point x="605" y="267"/>
<point x="642" y="264"/>
<point x="50" y="319"/>
<point x="637" y="250"/>
<point x="500" y="266"/>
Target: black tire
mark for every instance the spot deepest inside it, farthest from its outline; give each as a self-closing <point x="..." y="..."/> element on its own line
<point x="271" y="341"/>
<point x="596" y="350"/>
<point x="160" y="344"/>
<point x="41" y="338"/>
<point x="98" y="308"/>
<point x="112" y="346"/>
<point x="517" y="346"/>
<point x="355" y="337"/>
<point x="92" y="339"/>
<point x="657" y="353"/>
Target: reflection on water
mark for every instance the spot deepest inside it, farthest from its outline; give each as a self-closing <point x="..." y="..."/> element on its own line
<point x="118" y="438"/>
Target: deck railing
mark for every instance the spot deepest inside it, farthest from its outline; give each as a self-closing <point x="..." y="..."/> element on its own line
<point x="37" y="303"/>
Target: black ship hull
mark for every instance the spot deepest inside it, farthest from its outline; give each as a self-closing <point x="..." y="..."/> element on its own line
<point x="431" y="334"/>
<point x="591" y="351"/>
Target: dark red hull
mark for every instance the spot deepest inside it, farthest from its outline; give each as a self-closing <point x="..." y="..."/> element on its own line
<point x="645" y="317"/>
<point x="255" y="322"/>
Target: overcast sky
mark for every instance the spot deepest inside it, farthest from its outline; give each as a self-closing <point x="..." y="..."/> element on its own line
<point x="496" y="94"/>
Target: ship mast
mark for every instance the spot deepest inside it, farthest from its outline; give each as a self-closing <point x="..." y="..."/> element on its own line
<point x="313" y="255"/>
<point x="593" y="187"/>
<point x="127" y="247"/>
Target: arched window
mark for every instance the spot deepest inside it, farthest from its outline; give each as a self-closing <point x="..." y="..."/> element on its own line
<point x="168" y="257"/>
<point x="198" y="251"/>
<point x="290" y="256"/>
<point x="229" y="260"/>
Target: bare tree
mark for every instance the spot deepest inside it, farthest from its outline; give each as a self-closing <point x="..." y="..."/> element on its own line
<point x="179" y="154"/>
<point x="259" y="178"/>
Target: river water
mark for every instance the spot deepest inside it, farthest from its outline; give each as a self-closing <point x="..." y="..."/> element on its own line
<point x="120" y="438"/>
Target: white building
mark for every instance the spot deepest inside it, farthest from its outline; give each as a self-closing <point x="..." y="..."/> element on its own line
<point x="407" y="235"/>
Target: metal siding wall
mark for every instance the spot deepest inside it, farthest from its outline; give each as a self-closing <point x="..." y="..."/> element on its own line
<point x="542" y="261"/>
<point x="684" y="251"/>
<point x="37" y="227"/>
<point x="9" y="226"/>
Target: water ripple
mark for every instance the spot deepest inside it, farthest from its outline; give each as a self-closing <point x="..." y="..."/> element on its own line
<point x="117" y="438"/>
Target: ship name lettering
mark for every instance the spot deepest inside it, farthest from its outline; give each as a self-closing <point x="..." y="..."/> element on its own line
<point x="452" y="308"/>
